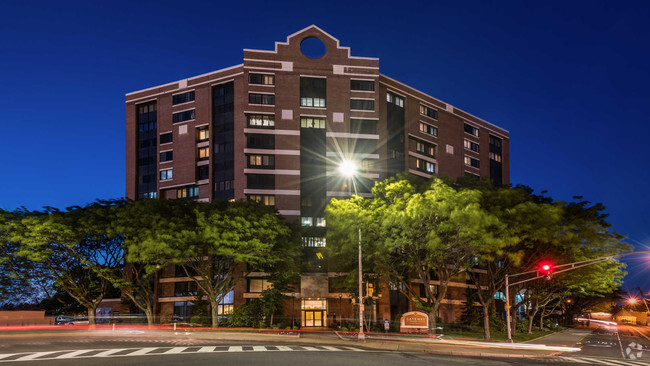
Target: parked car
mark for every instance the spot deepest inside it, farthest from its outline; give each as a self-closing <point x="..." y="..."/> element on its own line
<point x="71" y="320"/>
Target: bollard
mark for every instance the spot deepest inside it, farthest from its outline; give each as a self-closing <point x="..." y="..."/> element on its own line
<point x="113" y="327"/>
<point x="174" y="327"/>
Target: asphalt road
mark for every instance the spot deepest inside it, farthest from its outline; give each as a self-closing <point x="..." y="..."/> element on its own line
<point x="622" y="342"/>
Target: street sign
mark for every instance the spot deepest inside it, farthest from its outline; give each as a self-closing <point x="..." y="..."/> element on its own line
<point x="386" y="324"/>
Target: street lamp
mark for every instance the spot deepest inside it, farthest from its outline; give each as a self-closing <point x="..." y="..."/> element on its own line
<point x="348" y="169"/>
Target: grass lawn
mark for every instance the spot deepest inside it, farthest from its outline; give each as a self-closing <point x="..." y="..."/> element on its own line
<point x="496" y="336"/>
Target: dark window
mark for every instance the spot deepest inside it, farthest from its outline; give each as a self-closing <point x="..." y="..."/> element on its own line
<point x="223" y="147"/>
<point x="313" y="92"/>
<point x="471" y="130"/>
<point x="261" y="79"/>
<point x="428" y="111"/>
<point x="424" y="148"/>
<point x="224" y="185"/>
<point x="143" y="143"/>
<point x="166" y="137"/>
<point x="260" y="141"/>
<point x="365" y="85"/>
<point x="363" y="146"/>
<point x="203" y="172"/>
<point x="362" y="104"/>
<point x="186" y="288"/>
<point x="268" y="99"/>
<point x="180" y="272"/>
<point x="425" y="166"/>
<point x="472" y="162"/>
<point x="183" y="116"/>
<point x="166" y="156"/>
<point x="261" y="161"/>
<point x="147" y="160"/>
<point x="260" y="120"/>
<point x="471" y="145"/>
<point x="183" y="97"/>
<point x="364" y="126"/>
<point x="260" y="181"/>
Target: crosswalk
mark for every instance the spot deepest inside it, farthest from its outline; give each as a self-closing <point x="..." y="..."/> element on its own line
<point x="598" y="361"/>
<point x="158" y="351"/>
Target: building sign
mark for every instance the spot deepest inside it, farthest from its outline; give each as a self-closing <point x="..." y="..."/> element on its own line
<point x="414" y="321"/>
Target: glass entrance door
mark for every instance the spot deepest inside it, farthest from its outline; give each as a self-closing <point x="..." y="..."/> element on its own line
<point x="313" y="318"/>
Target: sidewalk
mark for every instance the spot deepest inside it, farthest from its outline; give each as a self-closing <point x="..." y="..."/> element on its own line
<point x="565" y="338"/>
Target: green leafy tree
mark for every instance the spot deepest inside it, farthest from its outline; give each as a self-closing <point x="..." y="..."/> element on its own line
<point x="432" y="234"/>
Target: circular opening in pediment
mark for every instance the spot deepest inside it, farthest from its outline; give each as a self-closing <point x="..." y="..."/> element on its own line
<point x="312" y="47"/>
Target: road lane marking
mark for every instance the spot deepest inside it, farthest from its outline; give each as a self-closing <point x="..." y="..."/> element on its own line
<point x="35" y="355"/>
<point x="110" y="352"/>
<point x="142" y="351"/>
<point x="175" y="350"/>
<point x="355" y="349"/>
<point x="74" y="354"/>
<point x="643" y="335"/>
<point x="8" y="355"/>
<point x="577" y="360"/>
<point x="284" y="348"/>
<point x="307" y="348"/>
<point x="259" y="348"/>
<point x="601" y="362"/>
<point x="206" y="349"/>
<point x="235" y="349"/>
<point x="330" y="348"/>
<point x="619" y="343"/>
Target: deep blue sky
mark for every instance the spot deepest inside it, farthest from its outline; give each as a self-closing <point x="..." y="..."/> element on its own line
<point x="568" y="79"/>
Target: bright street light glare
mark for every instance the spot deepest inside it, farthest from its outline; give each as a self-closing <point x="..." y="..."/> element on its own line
<point x="348" y="168"/>
<point x="546" y="267"/>
<point x="632" y="301"/>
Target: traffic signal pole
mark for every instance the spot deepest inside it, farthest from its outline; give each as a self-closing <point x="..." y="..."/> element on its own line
<point x="563" y="268"/>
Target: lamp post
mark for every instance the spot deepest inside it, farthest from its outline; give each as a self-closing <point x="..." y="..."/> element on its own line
<point x="349" y="169"/>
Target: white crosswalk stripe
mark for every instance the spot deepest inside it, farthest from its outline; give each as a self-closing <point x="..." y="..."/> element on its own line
<point x="162" y="351"/>
<point x="602" y="361"/>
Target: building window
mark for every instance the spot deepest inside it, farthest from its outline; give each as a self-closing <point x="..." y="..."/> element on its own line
<point x="395" y="99"/>
<point x="204" y="153"/>
<point x="260" y="120"/>
<point x="306" y="221"/>
<point x="166" y="174"/>
<point x="363" y="85"/>
<point x="313" y="92"/>
<point x="223" y="147"/>
<point x="311" y="122"/>
<point x="203" y="134"/>
<point x="470" y="145"/>
<point x="260" y="181"/>
<point x="203" y="172"/>
<point x="261" y="79"/>
<point x="188" y="192"/>
<point x="471" y="130"/>
<point x="261" y="161"/>
<point x="266" y="99"/>
<point x="428" y="111"/>
<point x="424" y="148"/>
<point x="428" y="129"/>
<point x="166" y="156"/>
<point x="183" y="116"/>
<point x="147" y="117"/>
<point x="319" y="222"/>
<point x="312" y="102"/>
<point x="260" y="141"/>
<point x="310" y="241"/>
<point x="183" y="97"/>
<point x="363" y="126"/>
<point x="148" y="195"/>
<point x="425" y="166"/>
<point x="265" y="199"/>
<point x="469" y="161"/>
<point x="166" y="138"/>
<point x="224" y="185"/>
<point x="362" y="104"/>
<point x="257" y="285"/>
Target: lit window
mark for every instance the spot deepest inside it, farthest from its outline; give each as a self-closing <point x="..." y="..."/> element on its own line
<point x="306" y="221"/>
<point x="204" y="153"/>
<point x="425" y="166"/>
<point x="395" y="99"/>
<point x="424" y="148"/>
<point x="261" y="79"/>
<point x="187" y="192"/>
<point x="260" y="120"/>
<point x="429" y="112"/>
<point x="470" y="145"/>
<point x="312" y="102"/>
<point x="310" y="122"/>
<point x="469" y="161"/>
<point x="258" y="285"/>
<point x="166" y="174"/>
<point x="261" y="161"/>
<point x="310" y="241"/>
<point x="428" y="129"/>
<point x="266" y="200"/>
<point x="203" y="134"/>
<point x="320" y="222"/>
<point x="471" y="130"/>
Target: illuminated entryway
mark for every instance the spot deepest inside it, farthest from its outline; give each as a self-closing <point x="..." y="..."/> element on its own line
<point x="313" y="312"/>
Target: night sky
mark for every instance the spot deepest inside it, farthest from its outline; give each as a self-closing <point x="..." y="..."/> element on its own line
<point x="568" y="79"/>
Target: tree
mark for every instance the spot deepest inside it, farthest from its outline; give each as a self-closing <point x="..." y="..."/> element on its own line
<point x="73" y="246"/>
<point x="431" y="233"/>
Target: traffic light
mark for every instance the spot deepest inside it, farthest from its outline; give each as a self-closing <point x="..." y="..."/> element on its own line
<point x="546" y="269"/>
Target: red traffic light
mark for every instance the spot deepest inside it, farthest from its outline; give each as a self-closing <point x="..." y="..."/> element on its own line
<point x="546" y="268"/>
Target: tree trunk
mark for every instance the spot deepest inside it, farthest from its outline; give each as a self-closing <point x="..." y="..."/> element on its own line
<point x="271" y="323"/>
<point x="91" y="316"/>
<point x="149" y="315"/>
<point x="513" y="323"/>
<point x="531" y="317"/>
<point x="541" y="320"/>
<point x="433" y="320"/>
<point x="486" y="321"/>
<point x="214" y="311"/>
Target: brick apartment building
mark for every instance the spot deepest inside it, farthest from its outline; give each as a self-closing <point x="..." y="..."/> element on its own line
<point x="274" y="129"/>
